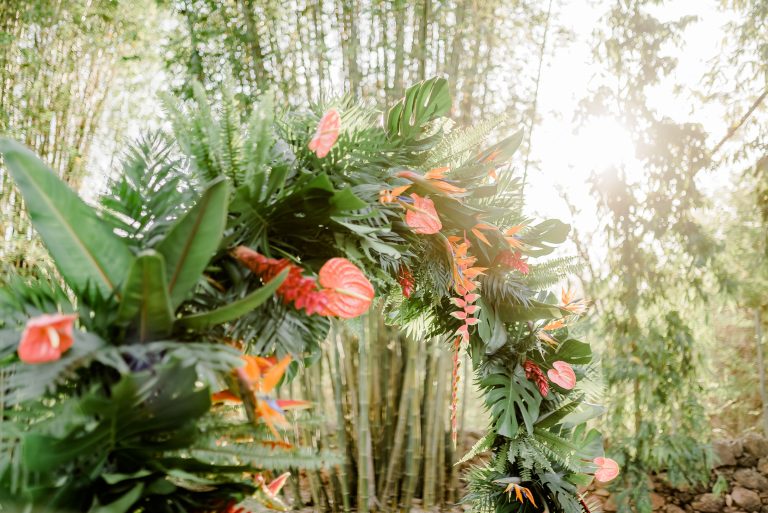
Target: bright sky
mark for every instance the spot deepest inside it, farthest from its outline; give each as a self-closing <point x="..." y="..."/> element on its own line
<point x="569" y="154"/>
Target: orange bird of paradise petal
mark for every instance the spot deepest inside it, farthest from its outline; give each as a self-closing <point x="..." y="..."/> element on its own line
<point x="521" y="493"/>
<point x="575" y="306"/>
<point x="391" y="195"/>
<point x="433" y="181"/>
<point x="422" y="217"/>
<point x="554" y="325"/>
<point x="326" y="134"/>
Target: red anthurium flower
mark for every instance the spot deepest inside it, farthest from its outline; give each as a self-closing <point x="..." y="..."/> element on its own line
<point x="46" y="338"/>
<point x="326" y="134"/>
<point x="607" y="469"/>
<point x="562" y="375"/>
<point x="422" y="217"/>
<point x="348" y="292"/>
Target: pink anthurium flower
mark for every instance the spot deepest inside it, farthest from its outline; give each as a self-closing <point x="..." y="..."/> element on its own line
<point x="326" y="134"/>
<point x="607" y="469"/>
<point x="562" y="375"/>
<point x="421" y="216"/>
<point x="46" y="338"/>
<point x="347" y="290"/>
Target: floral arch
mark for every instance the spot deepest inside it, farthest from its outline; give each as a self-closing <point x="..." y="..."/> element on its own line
<point x="144" y="379"/>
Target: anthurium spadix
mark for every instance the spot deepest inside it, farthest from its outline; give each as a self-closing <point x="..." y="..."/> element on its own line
<point x="86" y="251"/>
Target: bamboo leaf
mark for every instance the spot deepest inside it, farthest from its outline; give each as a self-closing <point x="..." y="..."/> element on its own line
<point x="85" y="250"/>
<point x="191" y="242"/>
<point x="145" y="297"/>
<point x="234" y="310"/>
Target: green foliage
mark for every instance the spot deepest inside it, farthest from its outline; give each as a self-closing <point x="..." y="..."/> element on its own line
<point x="88" y="254"/>
<point x="192" y="241"/>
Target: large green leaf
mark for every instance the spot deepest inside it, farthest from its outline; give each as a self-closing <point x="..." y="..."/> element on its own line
<point x="513" y="401"/>
<point x="192" y="241"/>
<point x="146" y="303"/>
<point x="85" y="250"/>
<point x="423" y="102"/>
<point x="234" y="310"/>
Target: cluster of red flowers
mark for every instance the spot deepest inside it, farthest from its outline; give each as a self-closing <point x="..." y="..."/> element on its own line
<point x="406" y="281"/>
<point x="297" y="289"/>
<point x="512" y="260"/>
<point x="535" y="374"/>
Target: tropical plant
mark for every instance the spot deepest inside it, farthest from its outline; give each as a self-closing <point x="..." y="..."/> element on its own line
<point x="283" y="222"/>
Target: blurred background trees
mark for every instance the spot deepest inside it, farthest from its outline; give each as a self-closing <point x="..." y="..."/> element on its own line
<point x="672" y="236"/>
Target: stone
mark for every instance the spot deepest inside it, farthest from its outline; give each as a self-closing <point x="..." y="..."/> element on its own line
<point x="755" y="445"/>
<point x="747" y="460"/>
<point x="762" y="466"/>
<point x="601" y="492"/>
<point x="751" y="478"/>
<point x="671" y="508"/>
<point x="727" y="452"/>
<point x="708" y="503"/>
<point x="746" y="499"/>
<point x="657" y="501"/>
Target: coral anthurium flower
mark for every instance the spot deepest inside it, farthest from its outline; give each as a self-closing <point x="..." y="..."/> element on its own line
<point x="46" y="338"/>
<point x="421" y="216"/>
<point x="326" y="134"/>
<point x="607" y="469"/>
<point x="562" y="375"/>
<point x="348" y="292"/>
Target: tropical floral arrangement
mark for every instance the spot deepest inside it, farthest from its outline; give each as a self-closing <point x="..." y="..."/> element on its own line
<point x="141" y="374"/>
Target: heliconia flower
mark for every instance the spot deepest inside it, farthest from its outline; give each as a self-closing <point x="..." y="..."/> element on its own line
<point x="405" y="279"/>
<point x="534" y="373"/>
<point x="471" y="298"/>
<point x="455" y="378"/>
<point x="562" y="375"/>
<point x="391" y="195"/>
<point x="607" y="470"/>
<point x="326" y="134"/>
<point x="512" y="260"/>
<point x="567" y="302"/>
<point x="46" y="337"/>
<point x="347" y="290"/>
<point x="301" y="291"/>
<point x="422" y="217"/>
<point x="463" y="332"/>
<point x="459" y="315"/>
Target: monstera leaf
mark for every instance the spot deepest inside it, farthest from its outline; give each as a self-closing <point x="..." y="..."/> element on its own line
<point x="85" y="250"/>
<point x="423" y="102"/>
<point x="542" y="238"/>
<point x="514" y="401"/>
